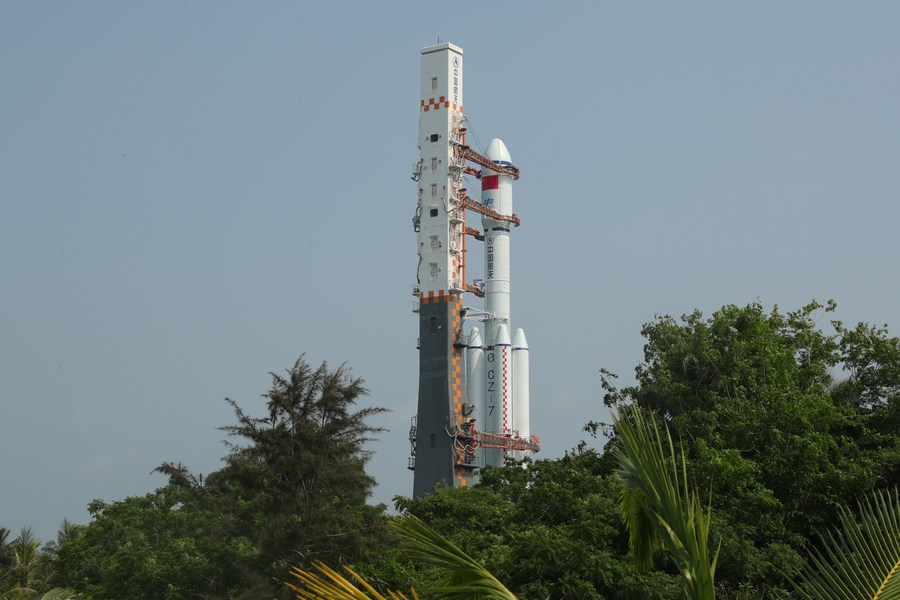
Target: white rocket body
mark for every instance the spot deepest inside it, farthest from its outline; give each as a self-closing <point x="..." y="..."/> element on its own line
<point x="505" y="407"/>
<point x="496" y="193"/>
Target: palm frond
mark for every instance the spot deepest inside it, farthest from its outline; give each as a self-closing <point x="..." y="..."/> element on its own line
<point x="861" y="559"/>
<point x="328" y="584"/>
<point x="60" y="594"/>
<point x="456" y="574"/>
<point x="659" y="506"/>
<point x="642" y="538"/>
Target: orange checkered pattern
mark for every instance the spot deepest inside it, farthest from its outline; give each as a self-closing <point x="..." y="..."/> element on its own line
<point x="433" y="104"/>
<point x="432" y="298"/>
<point x="456" y="378"/>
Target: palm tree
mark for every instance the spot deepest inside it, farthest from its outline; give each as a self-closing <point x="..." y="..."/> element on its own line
<point x="4" y="534"/>
<point x="5" y="555"/>
<point x="67" y="532"/>
<point x="659" y="506"/>
<point x="26" y="575"/>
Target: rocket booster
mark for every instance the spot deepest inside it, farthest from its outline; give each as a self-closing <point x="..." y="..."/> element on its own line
<point x="521" y="420"/>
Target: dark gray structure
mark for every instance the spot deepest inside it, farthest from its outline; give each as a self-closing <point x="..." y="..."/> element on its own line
<point x="441" y="458"/>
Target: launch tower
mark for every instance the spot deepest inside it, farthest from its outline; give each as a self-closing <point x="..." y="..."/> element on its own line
<point x="473" y="390"/>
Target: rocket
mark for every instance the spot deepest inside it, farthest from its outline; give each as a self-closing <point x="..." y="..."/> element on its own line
<point x="506" y="394"/>
<point x="473" y="403"/>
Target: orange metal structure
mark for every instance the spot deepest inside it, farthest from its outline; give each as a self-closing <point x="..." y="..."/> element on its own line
<point x="467" y="435"/>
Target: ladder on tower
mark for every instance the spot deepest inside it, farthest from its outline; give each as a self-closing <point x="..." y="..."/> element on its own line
<point x="413" y="431"/>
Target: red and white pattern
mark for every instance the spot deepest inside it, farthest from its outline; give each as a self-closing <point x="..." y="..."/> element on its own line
<point x="505" y="395"/>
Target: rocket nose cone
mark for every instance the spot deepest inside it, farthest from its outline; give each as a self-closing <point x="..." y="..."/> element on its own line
<point x="519" y="340"/>
<point x="502" y="338"/>
<point x="497" y="152"/>
<point x="474" y="338"/>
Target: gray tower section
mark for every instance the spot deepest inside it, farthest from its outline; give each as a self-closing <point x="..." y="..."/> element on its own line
<point x="441" y="399"/>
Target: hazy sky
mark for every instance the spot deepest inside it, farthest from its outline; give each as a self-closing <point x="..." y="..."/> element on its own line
<point x="193" y="194"/>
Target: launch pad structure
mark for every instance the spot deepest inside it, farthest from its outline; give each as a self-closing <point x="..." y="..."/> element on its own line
<point x="473" y="402"/>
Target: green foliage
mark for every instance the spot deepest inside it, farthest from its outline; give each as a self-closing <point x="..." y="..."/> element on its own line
<point x="295" y="479"/>
<point x="293" y="487"/>
<point x="26" y="574"/>
<point x="872" y="360"/>
<point x="546" y="529"/>
<point x="162" y="545"/>
<point x="27" y="570"/>
<point x="6" y="555"/>
<point x="779" y="446"/>
<point x="67" y="532"/>
<point x="389" y="566"/>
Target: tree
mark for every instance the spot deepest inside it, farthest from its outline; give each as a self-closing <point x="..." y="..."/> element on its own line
<point x="455" y="574"/>
<point x="767" y="425"/>
<point x="293" y="488"/>
<point x="161" y="545"/>
<point x="295" y="479"/>
<point x="546" y="528"/>
<point x="659" y="504"/>
<point x="656" y="498"/>
<point x="752" y="399"/>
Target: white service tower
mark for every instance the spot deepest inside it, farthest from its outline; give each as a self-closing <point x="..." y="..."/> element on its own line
<point x="473" y="390"/>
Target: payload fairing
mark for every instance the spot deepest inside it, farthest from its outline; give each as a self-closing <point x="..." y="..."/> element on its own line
<point x="473" y="406"/>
